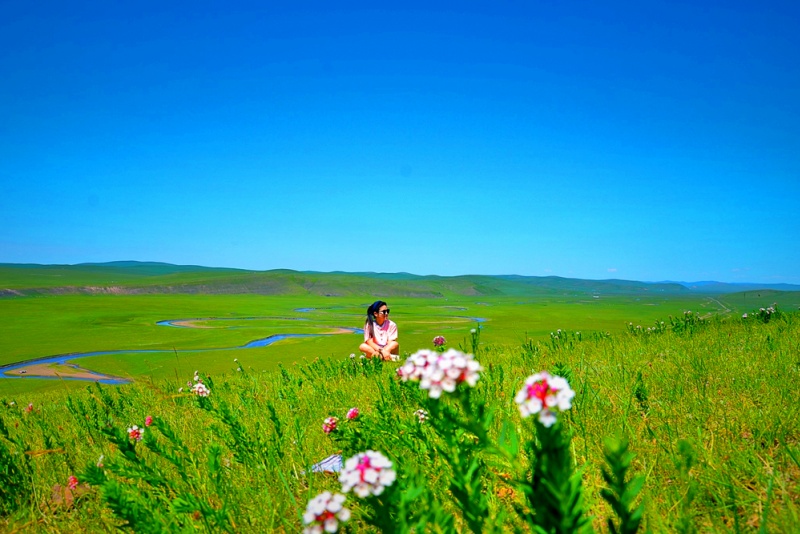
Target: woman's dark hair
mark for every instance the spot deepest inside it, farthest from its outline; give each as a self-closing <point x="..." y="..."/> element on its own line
<point x="371" y="311"/>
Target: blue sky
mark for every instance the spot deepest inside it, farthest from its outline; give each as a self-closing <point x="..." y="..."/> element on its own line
<point x="637" y="140"/>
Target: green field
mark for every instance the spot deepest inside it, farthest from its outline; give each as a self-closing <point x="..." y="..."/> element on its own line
<point x="60" y="310"/>
<point x="35" y="327"/>
<point x="706" y="400"/>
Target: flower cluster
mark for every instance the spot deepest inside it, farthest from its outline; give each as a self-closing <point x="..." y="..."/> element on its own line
<point x="201" y="390"/>
<point x="148" y="420"/>
<point x="542" y="394"/>
<point x="324" y="512"/>
<point x="367" y="473"/>
<point x="439" y="341"/>
<point x="352" y="413"/>
<point x="440" y="372"/>
<point x="329" y="425"/>
<point x="135" y="433"/>
<point x="72" y="482"/>
<point x="422" y="415"/>
<point x="197" y="386"/>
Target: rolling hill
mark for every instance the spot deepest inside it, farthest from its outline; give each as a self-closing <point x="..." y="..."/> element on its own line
<point x="130" y="277"/>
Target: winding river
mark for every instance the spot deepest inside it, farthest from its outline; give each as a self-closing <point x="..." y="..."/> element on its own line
<point x="43" y="367"/>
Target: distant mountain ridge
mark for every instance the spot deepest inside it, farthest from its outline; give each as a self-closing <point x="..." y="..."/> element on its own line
<point x="132" y="277"/>
<point x="734" y="287"/>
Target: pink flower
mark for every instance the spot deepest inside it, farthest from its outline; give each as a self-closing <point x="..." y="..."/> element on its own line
<point x="441" y="372"/>
<point x="330" y="424"/>
<point x="367" y="473"/>
<point x="201" y="390"/>
<point x="148" y="420"/>
<point x="72" y="482"/>
<point x="543" y="394"/>
<point x="135" y="433"/>
<point x="439" y="341"/>
<point x="352" y="413"/>
<point x="29" y="408"/>
<point x="324" y="512"/>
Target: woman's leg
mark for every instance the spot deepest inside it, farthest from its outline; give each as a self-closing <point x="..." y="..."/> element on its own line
<point x="368" y="351"/>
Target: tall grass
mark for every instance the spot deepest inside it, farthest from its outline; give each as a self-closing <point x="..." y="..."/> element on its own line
<point x="702" y="414"/>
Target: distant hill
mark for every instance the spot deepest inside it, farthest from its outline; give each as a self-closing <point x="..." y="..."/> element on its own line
<point x="723" y="287"/>
<point x="131" y="277"/>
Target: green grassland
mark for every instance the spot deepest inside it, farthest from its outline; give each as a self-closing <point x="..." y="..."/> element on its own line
<point x="709" y="405"/>
<point x="710" y="411"/>
<point x="34" y="327"/>
<point x="77" y="313"/>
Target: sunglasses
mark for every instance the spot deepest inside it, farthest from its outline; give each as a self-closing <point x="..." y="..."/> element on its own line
<point x="384" y="312"/>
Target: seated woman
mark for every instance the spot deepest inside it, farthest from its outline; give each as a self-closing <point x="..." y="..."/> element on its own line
<point x="380" y="334"/>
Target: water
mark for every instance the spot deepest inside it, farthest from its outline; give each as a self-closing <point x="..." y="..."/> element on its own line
<point x="65" y="359"/>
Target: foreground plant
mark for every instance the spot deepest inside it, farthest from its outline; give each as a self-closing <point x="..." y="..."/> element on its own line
<point x="440" y="372"/>
<point x="367" y="473"/>
<point x="544" y="395"/>
<point x="324" y="513"/>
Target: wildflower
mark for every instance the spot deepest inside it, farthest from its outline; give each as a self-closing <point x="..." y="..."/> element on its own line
<point x="72" y="482"/>
<point x="201" y="390"/>
<point x="324" y="512"/>
<point x="352" y="413"/>
<point x="100" y="460"/>
<point x="439" y="341"/>
<point x="744" y="316"/>
<point x="180" y="390"/>
<point x="330" y="424"/>
<point x="352" y="356"/>
<point x="135" y="433"/>
<point x="236" y="360"/>
<point x="148" y="420"/>
<point x="30" y="407"/>
<point x="441" y="372"/>
<point x="367" y="473"/>
<point x="422" y="415"/>
<point x="472" y="330"/>
<point x="542" y="394"/>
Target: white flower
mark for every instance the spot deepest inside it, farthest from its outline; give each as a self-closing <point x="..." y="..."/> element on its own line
<point x="543" y="394"/>
<point x="440" y="372"/>
<point x="135" y="433"/>
<point x="201" y="390"/>
<point x="367" y="473"/>
<point x="421" y="415"/>
<point x="324" y="512"/>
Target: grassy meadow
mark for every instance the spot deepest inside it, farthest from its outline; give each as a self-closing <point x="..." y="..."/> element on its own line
<point x="41" y="326"/>
<point x="705" y="401"/>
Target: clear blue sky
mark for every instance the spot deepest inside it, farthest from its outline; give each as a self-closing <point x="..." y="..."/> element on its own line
<point x="637" y="140"/>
